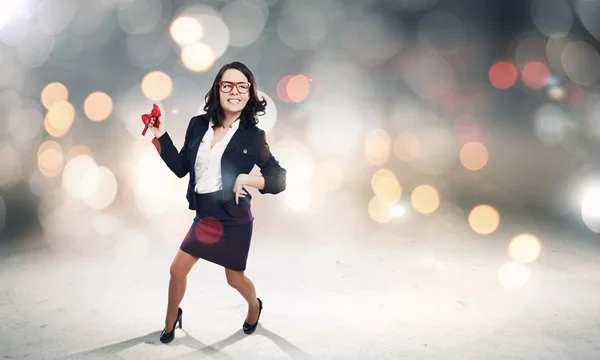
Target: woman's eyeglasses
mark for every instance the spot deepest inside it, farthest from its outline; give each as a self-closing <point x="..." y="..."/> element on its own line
<point x="227" y="86"/>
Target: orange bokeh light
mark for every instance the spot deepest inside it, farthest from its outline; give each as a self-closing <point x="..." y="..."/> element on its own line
<point x="474" y="156"/>
<point x="298" y="88"/>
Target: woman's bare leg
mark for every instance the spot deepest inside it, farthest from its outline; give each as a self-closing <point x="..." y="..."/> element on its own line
<point x="180" y="268"/>
<point x="240" y="282"/>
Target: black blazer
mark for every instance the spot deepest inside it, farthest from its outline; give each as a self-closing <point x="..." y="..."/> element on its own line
<point x="247" y="147"/>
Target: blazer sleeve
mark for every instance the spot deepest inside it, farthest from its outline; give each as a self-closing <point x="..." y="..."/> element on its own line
<point x="272" y="172"/>
<point x="177" y="161"/>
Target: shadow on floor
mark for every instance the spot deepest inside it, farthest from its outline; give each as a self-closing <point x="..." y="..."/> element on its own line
<point x="201" y="349"/>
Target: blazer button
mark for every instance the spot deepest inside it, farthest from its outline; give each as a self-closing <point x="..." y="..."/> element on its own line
<point x="245" y="151"/>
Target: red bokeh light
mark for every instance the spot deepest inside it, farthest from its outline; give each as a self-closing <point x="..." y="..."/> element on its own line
<point x="535" y="74"/>
<point x="503" y="74"/>
<point x="576" y="95"/>
<point x="282" y="91"/>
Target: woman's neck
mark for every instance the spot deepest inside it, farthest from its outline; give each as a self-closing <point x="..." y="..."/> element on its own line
<point x="230" y="118"/>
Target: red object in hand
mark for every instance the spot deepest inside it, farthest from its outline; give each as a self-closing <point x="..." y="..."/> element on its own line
<point x="146" y="118"/>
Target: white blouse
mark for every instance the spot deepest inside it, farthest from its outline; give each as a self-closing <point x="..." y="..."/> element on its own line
<point x="208" y="161"/>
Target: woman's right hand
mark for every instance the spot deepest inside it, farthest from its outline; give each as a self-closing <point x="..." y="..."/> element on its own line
<point x="157" y="131"/>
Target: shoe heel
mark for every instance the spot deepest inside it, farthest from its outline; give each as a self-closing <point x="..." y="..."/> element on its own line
<point x="180" y="321"/>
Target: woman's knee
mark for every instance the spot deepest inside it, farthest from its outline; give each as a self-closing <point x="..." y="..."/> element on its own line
<point x="178" y="271"/>
<point x="235" y="279"/>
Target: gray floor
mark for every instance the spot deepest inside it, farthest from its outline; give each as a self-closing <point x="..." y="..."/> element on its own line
<point x="430" y="295"/>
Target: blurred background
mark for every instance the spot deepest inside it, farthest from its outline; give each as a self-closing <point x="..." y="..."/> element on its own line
<point x="391" y="116"/>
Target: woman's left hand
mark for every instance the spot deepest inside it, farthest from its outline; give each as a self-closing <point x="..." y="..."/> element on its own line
<point x="240" y="181"/>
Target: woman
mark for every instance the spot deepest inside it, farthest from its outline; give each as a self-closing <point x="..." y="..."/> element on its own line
<point x="220" y="149"/>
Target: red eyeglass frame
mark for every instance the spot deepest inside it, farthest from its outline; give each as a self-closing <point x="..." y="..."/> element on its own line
<point x="235" y="85"/>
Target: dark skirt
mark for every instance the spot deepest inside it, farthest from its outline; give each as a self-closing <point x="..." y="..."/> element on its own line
<point x="218" y="237"/>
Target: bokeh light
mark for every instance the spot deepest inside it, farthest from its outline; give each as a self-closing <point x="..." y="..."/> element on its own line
<point x="554" y="48"/>
<point x="503" y="74"/>
<point x="245" y="20"/>
<point x="10" y="101"/>
<point x="59" y="118"/>
<point x="25" y="124"/>
<point x="428" y="74"/>
<point x="157" y="86"/>
<point x="35" y="47"/>
<point x="54" y="16"/>
<point x="216" y="34"/>
<point x="438" y="150"/>
<point x="329" y="176"/>
<point x="299" y="162"/>
<point x="138" y="45"/>
<point x="54" y="92"/>
<point x="590" y="208"/>
<point x="2" y="213"/>
<point x="442" y="31"/>
<point x="397" y="211"/>
<point x="106" y="224"/>
<point x="380" y="210"/>
<point x="197" y="57"/>
<point x="550" y="124"/>
<point x="81" y="176"/>
<point x="425" y="199"/>
<point x="40" y="184"/>
<point x="587" y="12"/>
<point x="143" y="167"/>
<point x="513" y="275"/>
<point x="557" y="93"/>
<point x="77" y="150"/>
<point x="282" y="88"/>
<point x="267" y="121"/>
<point x="386" y="187"/>
<point x="474" y="156"/>
<point x="327" y="117"/>
<point x="576" y="94"/>
<point x="297" y="200"/>
<point x="535" y="74"/>
<point x="298" y="88"/>
<point x="186" y="30"/>
<point x="371" y="40"/>
<point x="407" y="146"/>
<point x="11" y="166"/>
<point x="140" y="17"/>
<point x="524" y="248"/>
<point x="552" y="16"/>
<point x="377" y="147"/>
<point x="98" y="106"/>
<point x="50" y="158"/>
<point x="105" y="190"/>
<point x="301" y="25"/>
<point x="580" y="61"/>
<point x="484" y="219"/>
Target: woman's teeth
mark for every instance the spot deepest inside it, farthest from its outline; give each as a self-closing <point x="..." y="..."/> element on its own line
<point x="233" y="101"/>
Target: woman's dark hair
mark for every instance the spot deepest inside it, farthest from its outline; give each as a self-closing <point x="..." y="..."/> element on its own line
<point x="254" y="107"/>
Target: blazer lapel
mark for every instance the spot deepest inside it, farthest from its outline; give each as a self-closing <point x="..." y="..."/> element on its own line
<point x="196" y="140"/>
<point x="236" y="139"/>
<point x="197" y="136"/>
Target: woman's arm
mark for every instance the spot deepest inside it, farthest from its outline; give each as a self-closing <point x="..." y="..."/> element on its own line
<point x="175" y="160"/>
<point x="255" y="181"/>
<point x="273" y="179"/>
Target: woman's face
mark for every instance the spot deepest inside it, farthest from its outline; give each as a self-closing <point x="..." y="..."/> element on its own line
<point x="234" y="91"/>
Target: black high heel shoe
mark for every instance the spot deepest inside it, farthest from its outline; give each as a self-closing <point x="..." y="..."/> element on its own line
<point x="249" y="329"/>
<point x="167" y="337"/>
